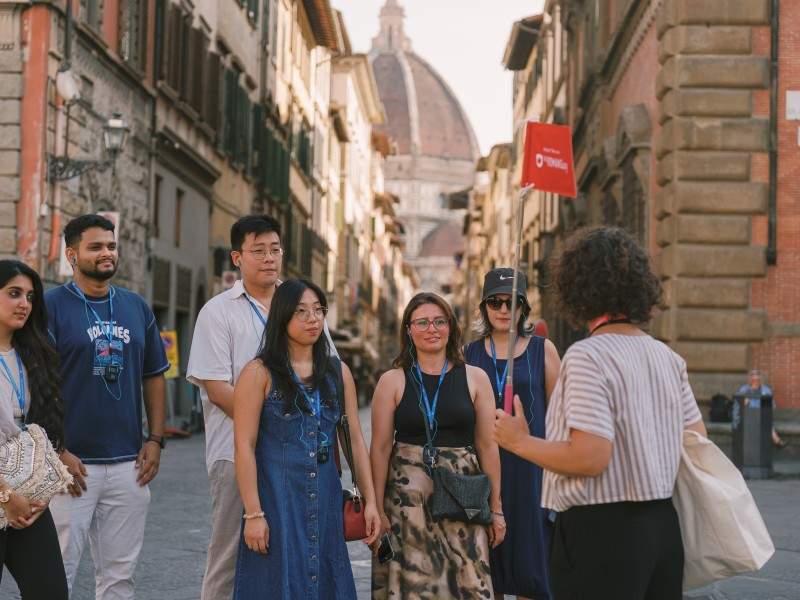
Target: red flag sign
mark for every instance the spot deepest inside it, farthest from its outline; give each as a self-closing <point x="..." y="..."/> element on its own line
<point x="547" y="164"/>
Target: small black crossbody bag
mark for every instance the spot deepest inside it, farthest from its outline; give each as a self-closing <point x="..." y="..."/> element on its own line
<point x="456" y="496"/>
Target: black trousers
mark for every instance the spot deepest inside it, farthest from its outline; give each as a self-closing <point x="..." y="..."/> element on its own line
<point x="619" y="551"/>
<point x="33" y="557"/>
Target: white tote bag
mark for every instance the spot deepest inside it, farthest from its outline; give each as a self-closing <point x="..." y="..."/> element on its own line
<point x="722" y="529"/>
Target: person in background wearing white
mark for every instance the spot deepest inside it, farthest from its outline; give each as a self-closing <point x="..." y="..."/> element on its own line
<point x="227" y="335"/>
<point x="614" y="430"/>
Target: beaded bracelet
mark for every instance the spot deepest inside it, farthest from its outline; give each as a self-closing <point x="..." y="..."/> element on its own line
<point x="255" y="515"/>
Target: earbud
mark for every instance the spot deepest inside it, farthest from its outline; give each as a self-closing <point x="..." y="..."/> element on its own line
<point x="73" y="261"/>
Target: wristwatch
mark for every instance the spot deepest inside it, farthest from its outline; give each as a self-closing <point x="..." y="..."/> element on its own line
<point x="158" y="439"/>
<point x="5" y="495"/>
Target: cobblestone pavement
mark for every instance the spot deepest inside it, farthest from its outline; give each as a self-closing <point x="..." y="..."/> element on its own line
<point x="173" y="558"/>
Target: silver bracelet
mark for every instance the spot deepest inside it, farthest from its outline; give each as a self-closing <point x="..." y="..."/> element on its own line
<point x="255" y="515"/>
<point x="498" y="514"/>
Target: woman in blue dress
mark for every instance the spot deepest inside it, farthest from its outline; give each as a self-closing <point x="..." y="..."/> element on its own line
<point x="285" y="413"/>
<point x="519" y="564"/>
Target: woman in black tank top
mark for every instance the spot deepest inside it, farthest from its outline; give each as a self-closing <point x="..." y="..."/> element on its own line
<point x="430" y="377"/>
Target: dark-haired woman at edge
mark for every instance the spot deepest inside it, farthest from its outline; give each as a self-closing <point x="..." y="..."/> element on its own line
<point x="285" y="413"/>
<point x="519" y="565"/>
<point x="28" y="394"/>
<point x="433" y="559"/>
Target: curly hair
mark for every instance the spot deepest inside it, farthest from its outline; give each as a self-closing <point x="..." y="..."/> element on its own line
<point x="39" y="357"/>
<point x="603" y="270"/>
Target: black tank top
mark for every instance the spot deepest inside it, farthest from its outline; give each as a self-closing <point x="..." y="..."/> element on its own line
<point x="455" y="413"/>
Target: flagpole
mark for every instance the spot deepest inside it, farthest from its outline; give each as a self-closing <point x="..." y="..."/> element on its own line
<point x="508" y="393"/>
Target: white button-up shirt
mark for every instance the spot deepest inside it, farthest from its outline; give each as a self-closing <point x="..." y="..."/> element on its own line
<point x="226" y="337"/>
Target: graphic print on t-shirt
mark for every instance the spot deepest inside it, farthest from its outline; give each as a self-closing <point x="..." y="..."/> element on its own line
<point x="108" y="352"/>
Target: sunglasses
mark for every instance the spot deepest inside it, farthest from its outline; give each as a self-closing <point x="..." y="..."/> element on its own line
<point x="496" y="303"/>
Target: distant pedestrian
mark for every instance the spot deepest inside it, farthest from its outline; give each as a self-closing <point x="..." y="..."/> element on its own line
<point x="227" y="335"/>
<point x="111" y="354"/>
<point x="287" y="406"/>
<point x="614" y="430"/>
<point x="519" y="564"/>
<point x="430" y="387"/>
<point x="755" y="384"/>
<point x="29" y="393"/>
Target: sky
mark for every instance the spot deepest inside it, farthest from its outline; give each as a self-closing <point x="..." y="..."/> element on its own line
<point x="464" y="41"/>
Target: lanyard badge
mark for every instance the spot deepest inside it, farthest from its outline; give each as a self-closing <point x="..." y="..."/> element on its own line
<point x="110" y="371"/>
<point x="314" y="401"/>
<point x="498" y="378"/>
<point x="429" y="452"/>
<point x="19" y="389"/>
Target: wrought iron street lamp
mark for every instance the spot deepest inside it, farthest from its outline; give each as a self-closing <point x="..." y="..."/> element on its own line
<point x="115" y="135"/>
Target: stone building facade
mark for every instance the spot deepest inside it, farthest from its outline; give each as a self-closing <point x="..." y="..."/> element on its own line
<point x="678" y="111"/>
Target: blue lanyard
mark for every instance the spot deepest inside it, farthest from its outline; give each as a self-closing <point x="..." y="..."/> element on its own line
<point x="107" y="333"/>
<point x="313" y="398"/>
<point x="499" y="379"/>
<point x="19" y="390"/>
<point x="430" y="407"/>
<point x="255" y="310"/>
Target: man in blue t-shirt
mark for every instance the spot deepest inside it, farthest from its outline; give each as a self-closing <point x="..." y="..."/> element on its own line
<point x="111" y="352"/>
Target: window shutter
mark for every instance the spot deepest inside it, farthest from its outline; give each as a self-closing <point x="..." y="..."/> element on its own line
<point x="185" y="66"/>
<point x="258" y="139"/>
<point x="198" y="49"/>
<point x="173" y="58"/>
<point x="252" y="10"/>
<point x="211" y="100"/>
<point x="160" y="52"/>
<point x="229" y="121"/>
<point x="144" y="47"/>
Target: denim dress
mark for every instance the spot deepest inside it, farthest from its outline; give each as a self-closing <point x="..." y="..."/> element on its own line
<point x="302" y="503"/>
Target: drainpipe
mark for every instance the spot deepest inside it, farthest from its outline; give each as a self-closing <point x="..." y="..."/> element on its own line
<point x="772" y="210"/>
<point x="35" y="43"/>
<point x="61" y="134"/>
<point x="55" y="215"/>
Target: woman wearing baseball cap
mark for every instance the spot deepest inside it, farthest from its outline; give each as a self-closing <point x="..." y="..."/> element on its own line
<point x="519" y="565"/>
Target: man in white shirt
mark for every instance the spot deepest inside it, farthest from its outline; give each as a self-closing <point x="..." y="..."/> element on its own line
<point x="227" y="336"/>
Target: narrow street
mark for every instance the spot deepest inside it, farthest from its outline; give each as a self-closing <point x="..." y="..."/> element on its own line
<point x="173" y="557"/>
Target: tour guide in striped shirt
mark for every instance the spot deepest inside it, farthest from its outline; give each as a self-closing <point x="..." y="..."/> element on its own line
<point x="614" y="430"/>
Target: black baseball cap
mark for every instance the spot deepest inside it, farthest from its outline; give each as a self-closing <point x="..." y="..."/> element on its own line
<point x="501" y="281"/>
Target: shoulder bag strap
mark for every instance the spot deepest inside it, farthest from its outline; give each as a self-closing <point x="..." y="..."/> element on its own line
<point x="343" y="426"/>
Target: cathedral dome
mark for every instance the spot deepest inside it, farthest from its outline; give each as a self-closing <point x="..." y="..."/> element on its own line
<point x="424" y="118"/>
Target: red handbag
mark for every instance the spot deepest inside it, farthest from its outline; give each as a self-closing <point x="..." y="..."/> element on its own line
<point x="355" y="526"/>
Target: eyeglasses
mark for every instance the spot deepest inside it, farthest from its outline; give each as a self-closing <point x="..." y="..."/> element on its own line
<point x="424" y="323"/>
<point x="262" y="254"/>
<point x="304" y="314"/>
<point x="496" y="303"/>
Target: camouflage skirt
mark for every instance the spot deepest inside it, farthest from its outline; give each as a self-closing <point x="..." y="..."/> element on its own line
<point x="433" y="560"/>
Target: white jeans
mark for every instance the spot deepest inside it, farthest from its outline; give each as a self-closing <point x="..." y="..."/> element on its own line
<point x="111" y="513"/>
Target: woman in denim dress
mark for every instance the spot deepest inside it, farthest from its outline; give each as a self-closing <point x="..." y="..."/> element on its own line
<point x="285" y="414"/>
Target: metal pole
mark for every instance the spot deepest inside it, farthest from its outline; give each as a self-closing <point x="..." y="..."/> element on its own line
<point x="508" y="394"/>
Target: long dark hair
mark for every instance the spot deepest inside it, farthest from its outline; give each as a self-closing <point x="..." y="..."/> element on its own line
<point x="38" y="356"/>
<point x="405" y="359"/>
<point x="274" y="351"/>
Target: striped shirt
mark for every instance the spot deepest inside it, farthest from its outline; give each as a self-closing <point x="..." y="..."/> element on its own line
<point x="633" y="391"/>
